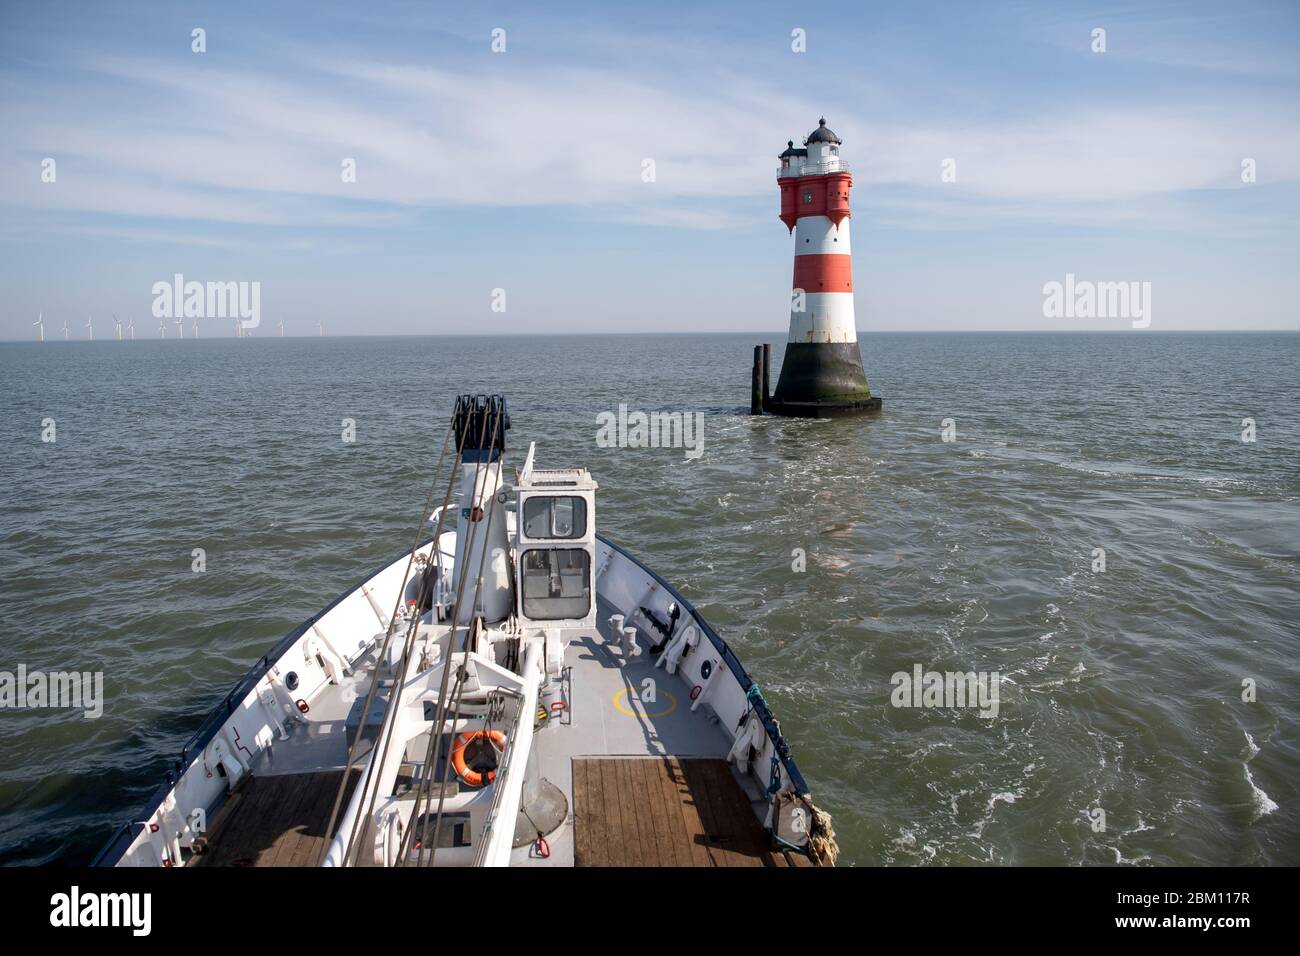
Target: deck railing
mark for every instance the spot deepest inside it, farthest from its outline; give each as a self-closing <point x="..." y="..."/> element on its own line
<point x="813" y="169"/>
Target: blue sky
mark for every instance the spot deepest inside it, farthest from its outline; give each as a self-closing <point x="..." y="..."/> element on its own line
<point x="522" y="170"/>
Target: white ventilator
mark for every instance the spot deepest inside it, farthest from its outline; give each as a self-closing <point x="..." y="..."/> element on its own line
<point x="751" y="737"/>
<point x="673" y="653"/>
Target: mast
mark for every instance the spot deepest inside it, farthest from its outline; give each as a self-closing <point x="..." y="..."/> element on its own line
<point x="480" y="501"/>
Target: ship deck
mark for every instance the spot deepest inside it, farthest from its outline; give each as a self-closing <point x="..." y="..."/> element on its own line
<point x="629" y="727"/>
<point x="644" y="778"/>
<point x="275" y="820"/>
<point x="665" y="811"/>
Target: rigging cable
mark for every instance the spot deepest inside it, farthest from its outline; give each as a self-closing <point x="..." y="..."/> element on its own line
<point x="487" y="535"/>
<point x="434" y="750"/>
<point x="388" y="726"/>
<point x="374" y="682"/>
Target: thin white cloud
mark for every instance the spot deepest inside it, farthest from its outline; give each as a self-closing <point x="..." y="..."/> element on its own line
<point x="247" y="147"/>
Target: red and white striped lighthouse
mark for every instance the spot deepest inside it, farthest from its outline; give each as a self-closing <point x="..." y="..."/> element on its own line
<point x="821" y="374"/>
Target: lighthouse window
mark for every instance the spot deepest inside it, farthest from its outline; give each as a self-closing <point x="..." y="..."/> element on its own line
<point x="556" y="583"/>
<point x="546" y="516"/>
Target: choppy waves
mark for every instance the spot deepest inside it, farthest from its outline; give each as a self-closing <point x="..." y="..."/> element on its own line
<point x="1121" y="690"/>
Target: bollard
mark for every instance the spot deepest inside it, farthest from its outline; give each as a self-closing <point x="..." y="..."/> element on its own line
<point x="629" y="643"/>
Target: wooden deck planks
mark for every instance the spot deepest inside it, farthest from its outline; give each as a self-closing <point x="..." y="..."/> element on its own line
<point x="670" y="833"/>
<point x="609" y="809"/>
<point x="585" y="825"/>
<point x="679" y="794"/>
<point x="275" y="821"/>
<point x="730" y="839"/>
<point x="644" y="812"/>
<point x="654" y="811"/>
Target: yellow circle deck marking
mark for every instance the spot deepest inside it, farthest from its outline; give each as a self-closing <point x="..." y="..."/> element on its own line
<point x="618" y="702"/>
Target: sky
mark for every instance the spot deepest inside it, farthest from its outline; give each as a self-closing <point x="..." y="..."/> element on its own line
<point x="523" y="170"/>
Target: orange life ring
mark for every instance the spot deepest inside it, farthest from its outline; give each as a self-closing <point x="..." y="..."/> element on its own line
<point x="473" y="777"/>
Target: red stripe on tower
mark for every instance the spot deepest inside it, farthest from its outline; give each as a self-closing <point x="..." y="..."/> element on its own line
<point x="818" y="273"/>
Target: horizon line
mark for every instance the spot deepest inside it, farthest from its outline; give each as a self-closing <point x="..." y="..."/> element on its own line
<point x="682" y="334"/>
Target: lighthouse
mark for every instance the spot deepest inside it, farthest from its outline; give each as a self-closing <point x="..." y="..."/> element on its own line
<point x="821" y="374"/>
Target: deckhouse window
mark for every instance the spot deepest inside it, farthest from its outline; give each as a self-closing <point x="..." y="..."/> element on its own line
<point x="556" y="583"/>
<point x="555" y="517"/>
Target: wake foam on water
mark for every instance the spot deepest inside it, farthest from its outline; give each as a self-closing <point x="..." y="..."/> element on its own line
<point x="1211" y="482"/>
<point x="1002" y="796"/>
<point x="1263" y="804"/>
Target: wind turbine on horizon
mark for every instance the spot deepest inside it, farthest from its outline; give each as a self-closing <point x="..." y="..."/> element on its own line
<point x="65" y="330"/>
<point x="130" y="327"/>
<point x="282" y="328"/>
<point x="90" y="324"/>
<point x="180" y="327"/>
<point x="196" y="328"/>
<point x="41" y="322"/>
<point x="118" y="323"/>
<point x="162" y="328"/>
<point x="320" y="324"/>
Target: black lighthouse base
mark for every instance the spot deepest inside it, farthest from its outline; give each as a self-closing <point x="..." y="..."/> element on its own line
<point x="820" y="380"/>
<point x="822" y="409"/>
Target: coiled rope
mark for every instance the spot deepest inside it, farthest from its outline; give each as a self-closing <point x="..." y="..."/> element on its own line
<point x="822" y="847"/>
